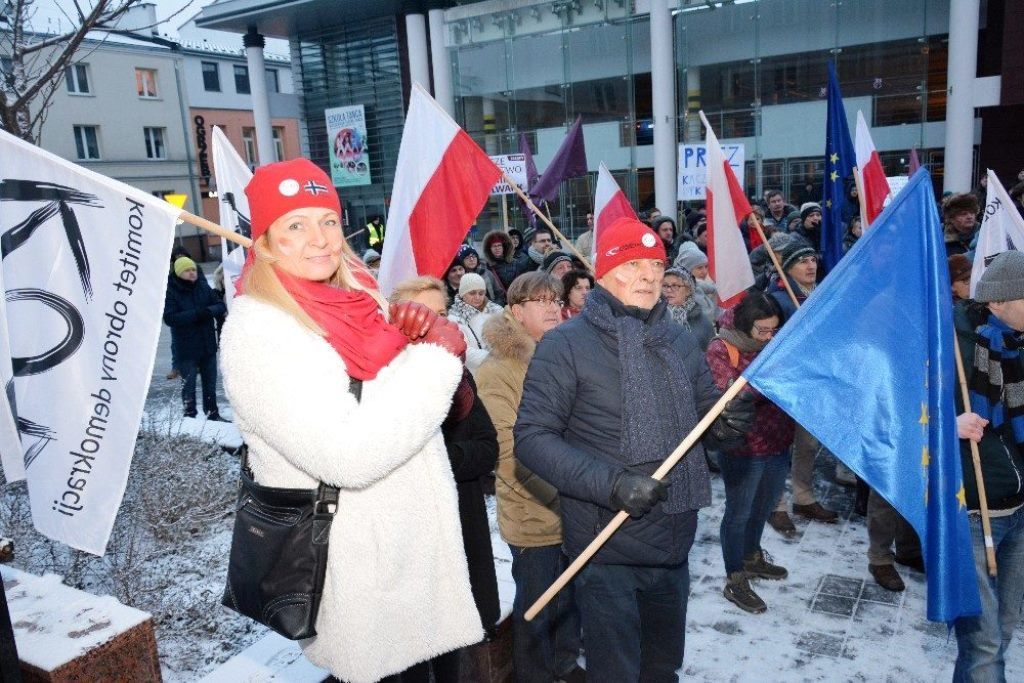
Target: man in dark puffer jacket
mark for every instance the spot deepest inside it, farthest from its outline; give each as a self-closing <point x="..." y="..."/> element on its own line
<point x="608" y="395"/>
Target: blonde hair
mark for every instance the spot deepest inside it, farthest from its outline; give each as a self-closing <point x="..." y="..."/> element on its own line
<point x="261" y="282"/>
<point x="408" y="289"/>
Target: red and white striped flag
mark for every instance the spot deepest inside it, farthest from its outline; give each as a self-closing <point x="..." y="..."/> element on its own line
<point x="873" y="182"/>
<point x="610" y="204"/>
<point x="442" y="181"/>
<point x="727" y="206"/>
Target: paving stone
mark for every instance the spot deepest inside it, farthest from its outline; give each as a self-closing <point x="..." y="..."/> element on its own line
<point x="843" y="586"/>
<point x="820" y="644"/>
<point x="834" y="604"/>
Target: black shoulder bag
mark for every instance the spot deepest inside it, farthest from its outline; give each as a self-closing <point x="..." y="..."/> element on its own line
<point x="279" y="551"/>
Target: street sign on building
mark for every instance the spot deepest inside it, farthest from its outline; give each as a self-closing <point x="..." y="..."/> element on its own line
<point x="692" y="173"/>
<point x="349" y="153"/>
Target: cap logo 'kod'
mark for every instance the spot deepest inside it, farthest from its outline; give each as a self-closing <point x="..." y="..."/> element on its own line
<point x="289" y="187"/>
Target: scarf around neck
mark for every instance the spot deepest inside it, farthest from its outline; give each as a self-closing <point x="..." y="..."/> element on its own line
<point x="997" y="383"/>
<point x="656" y="396"/>
<point x="353" y="321"/>
<point x="744" y="342"/>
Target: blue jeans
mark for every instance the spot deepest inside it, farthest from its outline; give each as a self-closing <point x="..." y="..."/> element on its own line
<point x="753" y="484"/>
<point x="634" y="619"/>
<point x="189" y="368"/>
<point x="982" y="641"/>
<point x="547" y="647"/>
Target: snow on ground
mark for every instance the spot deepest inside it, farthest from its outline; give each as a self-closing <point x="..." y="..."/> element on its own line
<point x="828" y="622"/>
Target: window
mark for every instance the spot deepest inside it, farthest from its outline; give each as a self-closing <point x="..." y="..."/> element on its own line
<point x="145" y="82"/>
<point x="272" y="83"/>
<point x="278" y="143"/>
<point x="249" y="142"/>
<point x="76" y="77"/>
<point x="155" y="143"/>
<point x="211" y="77"/>
<point x="7" y="71"/>
<point x="241" y="79"/>
<point x="87" y="143"/>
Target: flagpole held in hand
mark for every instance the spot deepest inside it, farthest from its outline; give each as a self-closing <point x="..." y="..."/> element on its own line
<point x="622" y="516"/>
<point x="547" y="221"/>
<point x="774" y="257"/>
<point x="986" y="523"/>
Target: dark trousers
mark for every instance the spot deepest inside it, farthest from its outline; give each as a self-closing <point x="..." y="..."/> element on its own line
<point x="444" y="667"/>
<point x="753" y="484"/>
<point x="189" y="368"/>
<point x="634" y="620"/>
<point x="547" y="647"/>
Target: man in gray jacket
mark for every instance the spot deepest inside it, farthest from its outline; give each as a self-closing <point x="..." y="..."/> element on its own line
<point x="608" y="395"/>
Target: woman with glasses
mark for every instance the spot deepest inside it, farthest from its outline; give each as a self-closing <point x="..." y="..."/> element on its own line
<point x="755" y="473"/>
<point x="677" y="289"/>
<point x="470" y="309"/>
<point x="576" y="285"/>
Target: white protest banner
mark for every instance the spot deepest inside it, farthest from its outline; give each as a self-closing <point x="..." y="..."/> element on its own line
<point x="514" y="165"/>
<point x="896" y="183"/>
<point x="1002" y="228"/>
<point x="84" y="262"/>
<point x="349" y="154"/>
<point x="693" y="168"/>
<point x="11" y="458"/>
<point x="232" y="175"/>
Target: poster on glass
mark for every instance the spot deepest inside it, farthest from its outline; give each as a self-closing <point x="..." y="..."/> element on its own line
<point x="350" y="155"/>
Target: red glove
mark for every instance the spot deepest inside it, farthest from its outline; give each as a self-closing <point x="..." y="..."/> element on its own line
<point x="462" y="401"/>
<point x="448" y="336"/>
<point x="412" y="319"/>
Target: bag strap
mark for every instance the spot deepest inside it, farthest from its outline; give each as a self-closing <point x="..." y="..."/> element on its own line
<point x="325" y="495"/>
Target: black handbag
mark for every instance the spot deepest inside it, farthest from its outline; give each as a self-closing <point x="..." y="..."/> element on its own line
<point x="279" y="552"/>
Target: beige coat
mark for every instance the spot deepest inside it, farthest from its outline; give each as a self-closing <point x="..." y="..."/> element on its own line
<point x="397" y="588"/>
<point x="528" y="510"/>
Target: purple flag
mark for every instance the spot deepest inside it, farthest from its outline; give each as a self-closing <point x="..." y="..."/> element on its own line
<point x="570" y="161"/>
<point x="915" y="163"/>
<point x="531" y="177"/>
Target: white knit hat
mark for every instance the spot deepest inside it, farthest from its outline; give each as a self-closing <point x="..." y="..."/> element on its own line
<point x="471" y="282"/>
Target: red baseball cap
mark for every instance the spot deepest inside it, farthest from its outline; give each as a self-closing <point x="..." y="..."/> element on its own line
<point x="276" y="189"/>
<point x="627" y="239"/>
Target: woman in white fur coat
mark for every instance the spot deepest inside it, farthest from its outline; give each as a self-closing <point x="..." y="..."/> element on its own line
<point x="397" y="588"/>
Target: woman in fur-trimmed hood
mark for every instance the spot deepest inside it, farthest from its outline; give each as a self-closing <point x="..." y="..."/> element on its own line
<point x="500" y="265"/>
<point x="396" y="591"/>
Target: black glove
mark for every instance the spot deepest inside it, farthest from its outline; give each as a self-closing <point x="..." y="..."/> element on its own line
<point x="636" y="493"/>
<point x="736" y="419"/>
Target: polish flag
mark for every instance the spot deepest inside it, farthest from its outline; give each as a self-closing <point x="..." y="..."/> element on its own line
<point x="727" y="206"/>
<point x="610" y="204"/>
<point x="873" y="182"/>
<point x="442" y="181"/>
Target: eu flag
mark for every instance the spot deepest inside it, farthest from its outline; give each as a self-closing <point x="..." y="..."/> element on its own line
<point x="840" y="159"/>
<point x="866" y="365"/>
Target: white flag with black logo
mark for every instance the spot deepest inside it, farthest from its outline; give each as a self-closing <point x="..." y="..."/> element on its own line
<point x="232" y="175"/>
<point x="84" y="262"/>
<point x="1002" y="229"/>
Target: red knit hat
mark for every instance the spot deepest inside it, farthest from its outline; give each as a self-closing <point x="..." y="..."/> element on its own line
<point x="627" y="239"/>
<point x="276" y="189"/>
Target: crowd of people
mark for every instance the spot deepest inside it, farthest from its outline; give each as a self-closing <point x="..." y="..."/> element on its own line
<point x="562" y="377"/>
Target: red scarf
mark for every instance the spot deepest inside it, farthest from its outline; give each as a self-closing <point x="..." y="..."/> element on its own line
<point x="354" y="324"/>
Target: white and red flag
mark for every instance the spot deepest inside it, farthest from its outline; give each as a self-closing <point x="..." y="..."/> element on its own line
<point x="727" y="206"/>
<point x="873" y="182"/>
<point x="610" y="204"/>
<point x="442" y="181"/>
<point x="1002" y="228"/>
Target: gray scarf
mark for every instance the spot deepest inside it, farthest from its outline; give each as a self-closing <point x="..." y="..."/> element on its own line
<point x="657" y="397"/>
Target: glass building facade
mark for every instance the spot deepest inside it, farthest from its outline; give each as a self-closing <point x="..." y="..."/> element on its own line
<point x="758" y="69"/>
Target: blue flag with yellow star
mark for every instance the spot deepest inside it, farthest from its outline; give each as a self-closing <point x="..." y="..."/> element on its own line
<point x="867" y="366"/>
<point x="840" y="158"/>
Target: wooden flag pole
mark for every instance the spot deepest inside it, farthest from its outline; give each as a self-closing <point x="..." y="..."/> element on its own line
<point x="547" y="221"/>
<point x="622" y="516"/>
<point x="504" y="211"/>
<point x="774" y="257"/>
<point x="221" y="232"/>
<point x="986" y="523"/>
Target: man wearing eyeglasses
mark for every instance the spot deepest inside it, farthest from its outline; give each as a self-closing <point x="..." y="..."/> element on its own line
<point x="608" y="395"/>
